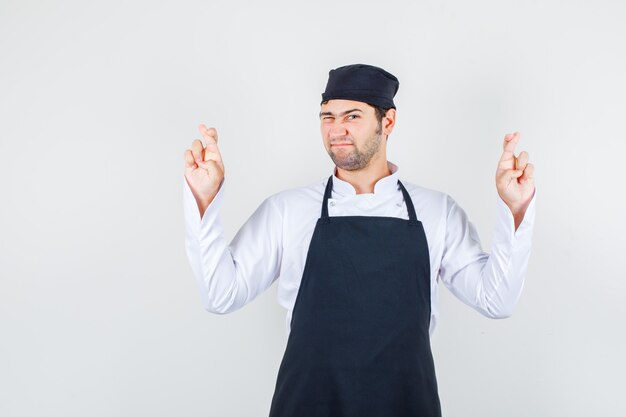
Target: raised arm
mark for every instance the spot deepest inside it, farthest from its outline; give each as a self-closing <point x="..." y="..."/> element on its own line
<point x="228" y="275"/>
<point x="492" y="282"/>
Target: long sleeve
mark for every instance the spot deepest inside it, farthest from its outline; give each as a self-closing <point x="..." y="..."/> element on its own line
<point x="231" y="275"/>
<point x="490" y="283"/>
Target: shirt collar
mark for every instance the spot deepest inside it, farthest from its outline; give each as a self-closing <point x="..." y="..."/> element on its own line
<point x="385" y="185"/>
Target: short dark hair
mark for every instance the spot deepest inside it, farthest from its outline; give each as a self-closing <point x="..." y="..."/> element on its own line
<point x="380" y="112"/>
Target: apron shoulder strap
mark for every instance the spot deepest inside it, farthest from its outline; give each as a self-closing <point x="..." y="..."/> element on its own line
<point x="409" y="204"/>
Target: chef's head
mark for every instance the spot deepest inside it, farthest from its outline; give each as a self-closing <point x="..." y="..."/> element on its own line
<point x="357" y="114"/>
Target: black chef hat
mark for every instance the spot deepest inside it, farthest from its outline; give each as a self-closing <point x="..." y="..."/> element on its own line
<point x="362" y="82"/>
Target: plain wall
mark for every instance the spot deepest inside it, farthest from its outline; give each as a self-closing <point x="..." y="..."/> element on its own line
<point x="99" y="312"/>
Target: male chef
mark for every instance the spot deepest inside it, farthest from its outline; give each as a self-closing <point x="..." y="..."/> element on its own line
<point x="359" y="255"/>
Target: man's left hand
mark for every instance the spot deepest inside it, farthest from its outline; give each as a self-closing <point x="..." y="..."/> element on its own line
<point x="515" y="178"/>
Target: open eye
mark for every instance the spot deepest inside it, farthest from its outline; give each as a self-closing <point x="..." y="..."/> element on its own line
<point x="353" y="115"/>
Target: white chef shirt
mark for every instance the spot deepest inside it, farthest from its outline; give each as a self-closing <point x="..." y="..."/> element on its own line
<point x="273" y="243"/>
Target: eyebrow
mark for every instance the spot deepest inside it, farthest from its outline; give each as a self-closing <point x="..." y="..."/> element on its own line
<point x="328" y="113"/>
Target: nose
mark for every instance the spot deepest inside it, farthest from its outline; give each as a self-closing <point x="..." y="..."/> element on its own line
<point x="337" y="130"/>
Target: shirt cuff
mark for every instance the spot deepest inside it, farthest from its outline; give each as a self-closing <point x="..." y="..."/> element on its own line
<point x="505" y="232"/>
<point x="196" y="226"/>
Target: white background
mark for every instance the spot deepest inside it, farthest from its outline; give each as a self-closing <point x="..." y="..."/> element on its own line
<point x="99" y="313"/>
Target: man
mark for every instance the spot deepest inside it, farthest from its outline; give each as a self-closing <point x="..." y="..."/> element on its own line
<point x="359" y="255"/>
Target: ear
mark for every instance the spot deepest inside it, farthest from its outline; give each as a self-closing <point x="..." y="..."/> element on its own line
<point x="389" y="121"/>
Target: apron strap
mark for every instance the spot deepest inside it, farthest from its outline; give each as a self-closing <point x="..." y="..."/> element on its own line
<point x="405" y="193"/>
<point x="327" y="194"/>
<point x="409" y="204"/>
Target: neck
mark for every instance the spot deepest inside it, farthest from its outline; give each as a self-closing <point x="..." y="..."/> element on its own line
<point x="364" y="180"/>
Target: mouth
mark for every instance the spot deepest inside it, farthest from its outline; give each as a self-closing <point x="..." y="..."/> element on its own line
<point x="341" y="144"/>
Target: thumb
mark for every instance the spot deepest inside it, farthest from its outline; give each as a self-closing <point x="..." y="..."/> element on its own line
<point x="211" y="166"/>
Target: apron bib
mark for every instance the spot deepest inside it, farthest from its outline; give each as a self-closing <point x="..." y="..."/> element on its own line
<point x="359" y="343"/>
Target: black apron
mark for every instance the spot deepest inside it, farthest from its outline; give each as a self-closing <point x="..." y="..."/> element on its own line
<point x="359" y="343"/>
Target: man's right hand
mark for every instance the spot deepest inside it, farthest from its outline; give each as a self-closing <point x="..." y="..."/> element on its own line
<point x="204" y="169"/>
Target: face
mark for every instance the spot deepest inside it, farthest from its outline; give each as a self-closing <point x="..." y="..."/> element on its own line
<point x="351" y="133"/>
